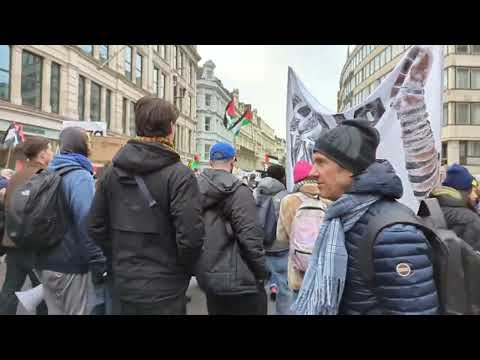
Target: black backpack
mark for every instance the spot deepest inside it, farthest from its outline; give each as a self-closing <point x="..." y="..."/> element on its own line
<point x="456" y="264"/>
<point x="36" y="218"/>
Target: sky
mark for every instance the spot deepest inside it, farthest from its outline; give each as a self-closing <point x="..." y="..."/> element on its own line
<point x="260" y="74"/>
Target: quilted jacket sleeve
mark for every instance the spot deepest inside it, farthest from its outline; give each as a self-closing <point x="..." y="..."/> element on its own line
<point x="404" y="282"/>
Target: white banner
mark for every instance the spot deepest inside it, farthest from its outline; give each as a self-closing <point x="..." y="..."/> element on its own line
<point x="406" y="108"/>
<point x="95" y="128"/>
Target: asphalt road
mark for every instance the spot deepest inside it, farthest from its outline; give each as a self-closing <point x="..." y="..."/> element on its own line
<point x="197" y="305"/>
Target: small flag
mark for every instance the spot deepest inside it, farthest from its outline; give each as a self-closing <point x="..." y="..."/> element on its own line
<point x="244" y="120"/>
<point x="195" y="163"/>
<point x="231" y="114"/>
<point x="13" y="136"/>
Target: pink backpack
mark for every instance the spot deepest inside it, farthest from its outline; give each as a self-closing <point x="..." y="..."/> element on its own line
<point x="305" y="228"/>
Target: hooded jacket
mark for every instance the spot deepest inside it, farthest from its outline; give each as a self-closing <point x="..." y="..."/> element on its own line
<point x="462" y="220"/>
<point x="77" y="253"/>
<point x="233" y="258"/>
<point x="153" y="249"/>
<point x="392" y="293"/>
<point x="271" y="188"/>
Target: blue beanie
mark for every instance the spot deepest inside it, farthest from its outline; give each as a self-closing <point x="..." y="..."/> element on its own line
<point x="458" y="177"/>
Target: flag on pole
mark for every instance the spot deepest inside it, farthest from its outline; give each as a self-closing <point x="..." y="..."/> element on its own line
<point x="245" y="120"/>
<point x="231" y="114"/>
<point x="13" y="136"/>
<point x="195" y="163"/>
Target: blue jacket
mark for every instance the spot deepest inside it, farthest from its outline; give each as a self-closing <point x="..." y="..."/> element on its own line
<point x="77" y="251"/>
<point x="392" y="293"/>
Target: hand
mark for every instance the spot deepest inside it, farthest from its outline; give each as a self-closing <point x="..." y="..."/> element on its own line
<point x="99" y="272"/>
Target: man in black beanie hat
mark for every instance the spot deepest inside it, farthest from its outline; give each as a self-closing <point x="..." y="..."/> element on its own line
<point x="392" y="273"/>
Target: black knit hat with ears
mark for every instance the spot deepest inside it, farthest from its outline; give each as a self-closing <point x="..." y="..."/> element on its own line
<point x="352" y="145"/>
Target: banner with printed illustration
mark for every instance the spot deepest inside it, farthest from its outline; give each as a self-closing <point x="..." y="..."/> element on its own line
<point x="406" y="108"/>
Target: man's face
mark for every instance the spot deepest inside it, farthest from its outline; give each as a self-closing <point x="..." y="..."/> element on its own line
<point x="45" y="156"/>
<point x="473" y="198"/>
<point x="332" y="180"/>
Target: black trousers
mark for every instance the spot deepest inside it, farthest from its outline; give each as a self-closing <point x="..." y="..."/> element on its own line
<point x="19" y="266"/>
<point x="245" y="304"/>
<point x="176" y="306"/>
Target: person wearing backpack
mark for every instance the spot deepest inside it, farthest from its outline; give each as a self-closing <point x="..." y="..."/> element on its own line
<point x="361" y="189"/>
<point x="458" y="199"/>
<point x="271" y="189"/>
<point x="231" y="270"/>
<point x="147" y="211"/>
<point x="301" y="215"/>
<point x="20" y="262"/>
<point x="66" y="267"/>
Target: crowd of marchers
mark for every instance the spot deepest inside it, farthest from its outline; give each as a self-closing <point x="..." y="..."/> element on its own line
<point x="130" y="241"/>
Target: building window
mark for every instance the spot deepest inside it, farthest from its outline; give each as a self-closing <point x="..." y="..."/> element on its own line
<point x="175" y="54"/>
<point x="476" y="49"/>
<point x="5" y="72"/>
<point x="473" y="148"/>
<point x="462" y="78"/>
<point x="208" y="99"/>
<point x="188" y="107"/>
<point x="462" y="113"/>
<point x="189" y="141"/>
<point x="192" y="75"/>
<point x="475" y="78"/>
<point x="207" y="123"/>
<point x="103" y="52"/>
<point x="445" y="115"/>
<point x="475" y="113"/>
<point x="31" y="80"/>
<point x="81" y="98"/>
<point x="445" y="79"/>
<point x="132" y="119"/>
<point x="444" y="153"/>
<point x="156" y="73"/>
<point x="182" y="57"/>
<point x="128" y="62"/>
<point x="55" y="87"/>
<point x="124" y="115"/>
<point x="95" y="101"/>
<point x="108" y="108"/>
<point x="163" y="51"/>
<point x="463" y="152"/>
<point x="139" y="68"/>
<point x="206" y="154"/>
<point x="87" y="49"/>
<point x="461" y="49"/>
<point x="163" y="85"/>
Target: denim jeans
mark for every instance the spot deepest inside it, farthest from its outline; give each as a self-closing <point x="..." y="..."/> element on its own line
<point x="277" y="265"/>
<point x="19" y="266"/>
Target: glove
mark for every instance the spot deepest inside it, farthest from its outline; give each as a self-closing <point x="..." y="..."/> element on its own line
<point x="99" y="272"/>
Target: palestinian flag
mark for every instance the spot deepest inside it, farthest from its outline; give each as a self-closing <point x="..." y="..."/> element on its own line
<point x="195" y="163"/>
<point x="13" y="136"/>
<point x="245" y="120"/>
<point x="231" y="114"/>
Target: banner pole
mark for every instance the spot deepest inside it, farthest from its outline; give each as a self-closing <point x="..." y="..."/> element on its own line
<point x="8" y="157"/>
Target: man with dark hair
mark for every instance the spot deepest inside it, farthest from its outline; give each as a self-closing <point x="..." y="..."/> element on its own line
<point x="232" y="268"/>
<point x="401" y="280"/>
<point x="66" y="267"/>
<point x="272" y="188"/>
<point x="147" y="209"/>
<point x="20" y="263"/>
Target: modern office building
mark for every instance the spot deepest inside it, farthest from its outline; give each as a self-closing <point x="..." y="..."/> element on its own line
<point x="367" y="65"/>
<point x="43" y="85"/>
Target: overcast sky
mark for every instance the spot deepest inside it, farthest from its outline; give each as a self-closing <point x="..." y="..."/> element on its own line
<point x="260" y="74"/>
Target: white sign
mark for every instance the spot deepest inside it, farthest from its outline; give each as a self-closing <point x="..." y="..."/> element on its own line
<point x="95" y="128"/>
<point x="406" y="108"/>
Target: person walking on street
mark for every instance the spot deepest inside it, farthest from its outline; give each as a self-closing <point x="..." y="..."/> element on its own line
<point x="272" y="188"/>
<point x="67" y="266"/>
<point x="231" y="269"/>
<point x="361" y="189"/>
<point x="305" y="192"/>
<point x="458" y="200"/>
<point x="20" y="262"/>
<point x="147" y="211"/>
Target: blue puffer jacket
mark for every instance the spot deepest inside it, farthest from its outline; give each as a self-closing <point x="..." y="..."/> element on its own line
<point x="393" y="294"/>
<point x="77" y="252"/>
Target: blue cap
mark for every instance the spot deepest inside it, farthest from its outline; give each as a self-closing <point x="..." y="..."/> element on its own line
<point x="458" y="177"/>
<point x="222" y="151"/>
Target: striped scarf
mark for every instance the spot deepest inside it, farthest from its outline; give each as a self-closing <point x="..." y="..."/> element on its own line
<point x="324" y="281"/>
<point x="157" y="139"/>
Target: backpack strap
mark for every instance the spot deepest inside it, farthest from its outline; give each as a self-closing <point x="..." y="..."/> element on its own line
<point x="395" y="213"/>
<point x="65" y="170"/>
<point x="147" y="195"/>
<point x="432" y="213"/>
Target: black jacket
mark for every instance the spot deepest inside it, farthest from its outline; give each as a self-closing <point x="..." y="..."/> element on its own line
<point x="462" y="220"/>
<point x="153" y="250"/>
<point x="233" y="258"/>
